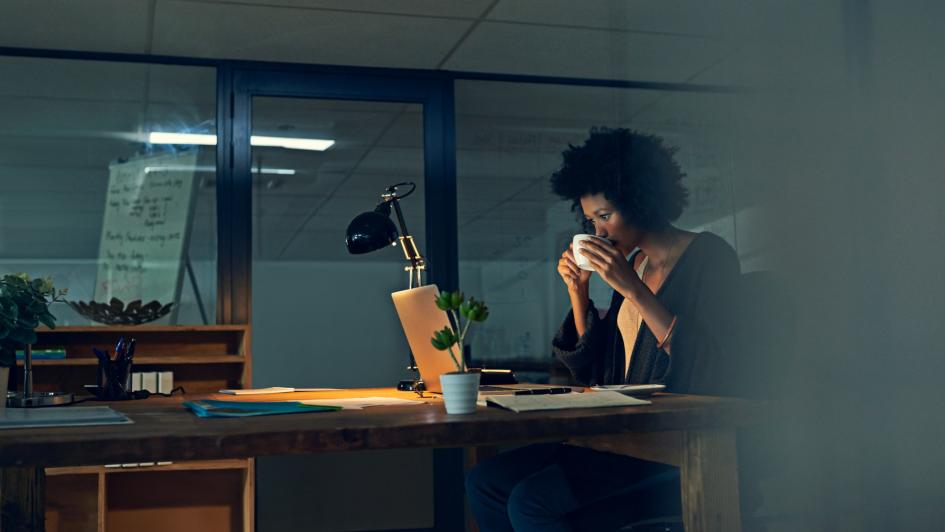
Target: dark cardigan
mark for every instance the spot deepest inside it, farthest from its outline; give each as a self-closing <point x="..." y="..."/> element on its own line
<point x="701" y="291"/>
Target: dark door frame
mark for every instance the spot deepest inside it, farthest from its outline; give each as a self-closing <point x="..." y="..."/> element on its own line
<point x="435" y="94"/>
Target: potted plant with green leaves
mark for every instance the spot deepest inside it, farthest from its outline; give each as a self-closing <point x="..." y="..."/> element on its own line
<point x="460" y="388"/>
<point x="24" y="304"/>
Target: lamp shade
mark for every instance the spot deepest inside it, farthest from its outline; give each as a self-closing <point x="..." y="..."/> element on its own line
<point x="370" y="231"/>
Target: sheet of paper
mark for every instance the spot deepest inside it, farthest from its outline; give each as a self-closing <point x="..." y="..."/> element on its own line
<point x="357" y="403"/>
<point x="15" y="418"/>
<point x="258" y="391"/>
<point x="274" y="389"/>
<point x="527" y="403"/>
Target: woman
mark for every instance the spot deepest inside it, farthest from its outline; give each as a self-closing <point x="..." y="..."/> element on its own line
<point x="670" y="321"/>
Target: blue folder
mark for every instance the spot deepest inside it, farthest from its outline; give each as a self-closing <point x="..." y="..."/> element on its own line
<point x="215" y="408"/>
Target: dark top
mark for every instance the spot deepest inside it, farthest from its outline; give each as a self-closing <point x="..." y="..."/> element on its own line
<point x="700" y="291"/>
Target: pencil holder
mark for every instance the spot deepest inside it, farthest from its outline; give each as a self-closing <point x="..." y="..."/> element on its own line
<point x="113" y="379"/>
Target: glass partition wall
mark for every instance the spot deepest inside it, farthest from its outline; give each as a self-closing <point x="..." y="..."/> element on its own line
<point x="72" y="129"/>
<point x="303" y="275"/>
<point x="512" y="229"/>
<point x="324" y="317"/>
<point x="92" y="198"/>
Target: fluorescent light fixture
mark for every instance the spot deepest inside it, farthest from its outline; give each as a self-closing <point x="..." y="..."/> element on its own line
<point x="176" y="168"/>
<point x="157" y="137"/>
<point x="291" y="143"/>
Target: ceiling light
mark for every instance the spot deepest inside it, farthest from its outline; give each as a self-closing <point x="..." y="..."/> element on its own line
<point x="157" y="137"/>
<point x="181" y="168"/>
<point x="290" y="143"/>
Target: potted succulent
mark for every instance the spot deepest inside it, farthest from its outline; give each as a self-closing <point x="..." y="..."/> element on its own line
<point x="24" y="304"/>
<point x="460" y="388"/>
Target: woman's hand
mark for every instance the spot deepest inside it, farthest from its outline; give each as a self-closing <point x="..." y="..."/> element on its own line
<point x="612" y="267"/>
<point x="575" y="278"/>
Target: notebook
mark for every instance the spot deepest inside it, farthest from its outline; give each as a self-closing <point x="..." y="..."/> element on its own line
<point x="420" y="318"/>
<point x="528" y="403"/>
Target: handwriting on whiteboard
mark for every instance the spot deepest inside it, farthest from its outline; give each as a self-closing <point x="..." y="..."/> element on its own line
<point x="147" y="215"/>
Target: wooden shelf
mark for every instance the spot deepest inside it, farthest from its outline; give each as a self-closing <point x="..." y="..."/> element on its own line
<point x="145" y="361"/>
<point x="141" y="329"/>
<point x="196" y="465"/>
<point x="207" y="495"/>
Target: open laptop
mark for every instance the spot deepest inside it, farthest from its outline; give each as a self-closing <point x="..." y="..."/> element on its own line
<point x="420" y="318"/>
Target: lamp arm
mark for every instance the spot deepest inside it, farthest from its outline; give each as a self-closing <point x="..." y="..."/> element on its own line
<point x="407" y="243"/>
<point x="400" y="217"/>
<point x="409" y="246"/>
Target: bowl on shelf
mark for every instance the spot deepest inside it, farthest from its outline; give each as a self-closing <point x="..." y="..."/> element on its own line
<point x="115" y="312"/>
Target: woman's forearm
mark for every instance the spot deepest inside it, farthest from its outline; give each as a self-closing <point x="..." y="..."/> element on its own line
<point x="580" y="301"/>
<point x="657" y="317"/>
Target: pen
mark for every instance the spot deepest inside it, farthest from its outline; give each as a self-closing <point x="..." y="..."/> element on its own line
<point x="543" y="391"/>
<point x="102" y="356"/>
<point x="119" y="346"/>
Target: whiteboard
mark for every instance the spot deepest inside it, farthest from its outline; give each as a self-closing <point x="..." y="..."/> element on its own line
<point x="145" y="231"/>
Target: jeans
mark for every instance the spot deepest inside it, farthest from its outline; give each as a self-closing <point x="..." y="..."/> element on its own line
<point x="555" y="487"/>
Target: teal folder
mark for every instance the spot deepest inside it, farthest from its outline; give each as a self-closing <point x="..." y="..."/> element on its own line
<point x="43" y="354"/>
<point x="215" y="408"/>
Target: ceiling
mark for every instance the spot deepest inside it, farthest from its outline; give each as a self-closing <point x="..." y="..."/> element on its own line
<point x="64" y="121"/>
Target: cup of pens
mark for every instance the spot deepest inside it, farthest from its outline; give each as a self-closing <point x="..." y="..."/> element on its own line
<point x="114" y="374"/>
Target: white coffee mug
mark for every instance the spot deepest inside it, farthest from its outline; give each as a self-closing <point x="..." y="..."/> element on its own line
<point x="580" y="259"/>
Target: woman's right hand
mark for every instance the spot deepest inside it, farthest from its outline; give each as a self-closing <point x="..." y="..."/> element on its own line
<point x="574" y="278"/>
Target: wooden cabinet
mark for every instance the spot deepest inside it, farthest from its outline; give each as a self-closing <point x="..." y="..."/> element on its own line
<point x="205" y="496"/>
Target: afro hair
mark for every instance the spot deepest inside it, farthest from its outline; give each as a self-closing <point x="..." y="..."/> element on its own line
<point x="635" y="171"/>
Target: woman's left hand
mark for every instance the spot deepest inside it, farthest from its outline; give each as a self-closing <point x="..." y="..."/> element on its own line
<point x="612" y="266"/>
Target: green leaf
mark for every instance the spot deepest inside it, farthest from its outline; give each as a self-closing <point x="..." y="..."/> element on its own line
<point x="24" y="304"/>
<point x="48" y="319"/>
<point x="7" y="356"/>
<point x="443" y="339"/>
<point x="456" y="299"/>
<point x="23" y="336"/>
<point x="443" y="301"/>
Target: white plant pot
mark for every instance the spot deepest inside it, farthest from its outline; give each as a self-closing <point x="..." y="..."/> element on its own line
<point x="460" y="392"/>
<point x="4" y="381"/>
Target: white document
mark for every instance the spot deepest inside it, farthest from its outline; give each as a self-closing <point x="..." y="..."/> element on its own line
<point x="560" y="401"/>
<point x="258" y="391"/>
<point x="274" y="389"/>
<point x="357" y="403"/>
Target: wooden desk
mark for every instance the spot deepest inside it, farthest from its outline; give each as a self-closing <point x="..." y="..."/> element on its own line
<point x="695" y="433"/>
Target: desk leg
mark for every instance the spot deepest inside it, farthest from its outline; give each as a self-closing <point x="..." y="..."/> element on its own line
<point x="709" y="482"/>
<point x="23" y="499"/>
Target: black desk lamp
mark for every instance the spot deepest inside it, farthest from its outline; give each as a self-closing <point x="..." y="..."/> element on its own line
<point x="373" y="230"/>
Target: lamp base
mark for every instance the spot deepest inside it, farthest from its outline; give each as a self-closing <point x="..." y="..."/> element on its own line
<point x="411" y="385"/>
<point x="39" y="399"/>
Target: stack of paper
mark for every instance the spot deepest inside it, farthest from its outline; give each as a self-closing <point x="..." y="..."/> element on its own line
<point x="527" y="403"/>
<point x="15" y="418"/>
<point x="358" y="403"/>
<point x="274" y="389"/>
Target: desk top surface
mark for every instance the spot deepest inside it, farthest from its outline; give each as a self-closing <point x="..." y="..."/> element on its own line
<point x="164" y="429"/>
